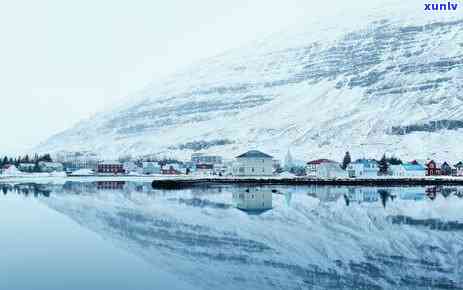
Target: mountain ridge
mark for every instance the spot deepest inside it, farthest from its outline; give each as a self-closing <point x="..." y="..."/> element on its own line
<point x="320" y="98"/>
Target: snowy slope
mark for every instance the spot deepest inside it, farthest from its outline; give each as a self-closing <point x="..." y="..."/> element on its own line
<point x="363" y="84"/>
<point x="300" y="244"/>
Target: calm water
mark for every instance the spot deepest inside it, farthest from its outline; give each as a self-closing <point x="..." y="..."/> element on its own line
<point x="119" y="235"/>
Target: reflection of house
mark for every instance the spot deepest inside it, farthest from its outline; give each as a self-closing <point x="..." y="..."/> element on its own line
<point x="110" y="167"/>
<point x="324" y="168"/>
<point x="363" y="194"/>
<point x="407" y="170"/>
<point x="327" y="193"/>
<point x="253" y="199"/>
<point x="432" y="168"/>
<point x="253" y="163"/>
<point x="110" y="185"/>
<point x="363" y="168"/>
<point x="151" y="168"/>
<point x="432" y="191"/>
<point x="50" y="167"/>
<point x="409" y="193"/>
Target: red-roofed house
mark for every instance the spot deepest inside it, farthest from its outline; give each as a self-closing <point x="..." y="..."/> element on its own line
<point x="432" y="168"/>
<point x="325" y="168"/>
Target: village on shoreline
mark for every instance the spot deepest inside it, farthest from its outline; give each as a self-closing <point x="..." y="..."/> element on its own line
<point x="252" y="165"/>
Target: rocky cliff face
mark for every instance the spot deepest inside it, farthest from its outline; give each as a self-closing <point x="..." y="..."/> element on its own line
<point x="320" y="91"/>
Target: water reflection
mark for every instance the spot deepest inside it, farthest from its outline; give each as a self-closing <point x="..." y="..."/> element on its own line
<point x="312" y="238"/>
<point x="253" y="199"/>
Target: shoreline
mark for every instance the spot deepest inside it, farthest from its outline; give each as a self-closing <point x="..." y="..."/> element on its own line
<point x="371" y="182"/>
<point x="175" y="181"/>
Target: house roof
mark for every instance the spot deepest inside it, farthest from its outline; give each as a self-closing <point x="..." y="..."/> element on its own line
<point x="459" y="165"/>
<point x="254" y="154"/>
<point x="365" y="161"/>
<point x="445" y="164"/>
<point x="320" y="161"/>
<point x="413" y="167"/>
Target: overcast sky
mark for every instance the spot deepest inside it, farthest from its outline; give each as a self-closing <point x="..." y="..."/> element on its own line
<point x="61" y="61"/>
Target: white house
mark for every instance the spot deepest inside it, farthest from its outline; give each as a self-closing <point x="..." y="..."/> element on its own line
<point x="407" y="170"/>
<point x="51" y="167"/>
<point x="325" y="168"/>
<point x="253" y="163"/>
<point x="204" y="169"/>
<point x="131" y="167"/>
<point x="26" y="167"/>
<point x="10" y="170"/>
<point x="363" y="168"/>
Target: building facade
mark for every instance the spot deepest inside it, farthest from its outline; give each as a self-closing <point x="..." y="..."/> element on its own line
<point x="26" y="167"/>
<point x="51" y="167"/>
<point x="363" y="168"/>
<point x="446" y="169"/>
<point x="325" y="168"/>
<point x="199" y="158"/>
<point x="204" y="169"/>
<point x="171" y="169"/>
<point x="151" y="168"/>
<point x="432" y="168"/>
<point x="407" y="170"/>
<point x="459" y="169"/>
<point x="253" y="163"/>
<point x="110" y="168"/>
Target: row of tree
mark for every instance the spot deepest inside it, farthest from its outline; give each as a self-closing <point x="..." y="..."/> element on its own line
<point x="35" y="159"/>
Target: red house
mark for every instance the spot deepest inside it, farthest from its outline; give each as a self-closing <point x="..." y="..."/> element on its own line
<point x="432" y="169"/>
<point x="110" y="168"/>
<point x="170" y="170"/>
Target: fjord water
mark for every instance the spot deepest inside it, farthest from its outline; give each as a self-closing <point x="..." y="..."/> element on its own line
<point x="125" y="235"/>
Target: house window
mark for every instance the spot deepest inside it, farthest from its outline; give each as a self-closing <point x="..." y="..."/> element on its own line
<point x="252" y="169"/>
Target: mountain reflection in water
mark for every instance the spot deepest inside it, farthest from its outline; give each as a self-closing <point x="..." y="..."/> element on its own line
<point x="308" y="237"/>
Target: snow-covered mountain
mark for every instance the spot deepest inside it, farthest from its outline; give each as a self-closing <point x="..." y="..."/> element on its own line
<point x="368" y="85"/>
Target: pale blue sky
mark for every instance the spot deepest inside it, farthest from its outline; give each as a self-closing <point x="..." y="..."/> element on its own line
<point x="61" y="61"/>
